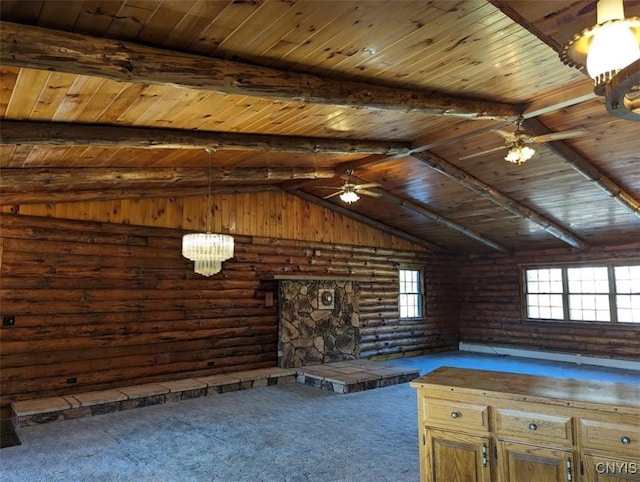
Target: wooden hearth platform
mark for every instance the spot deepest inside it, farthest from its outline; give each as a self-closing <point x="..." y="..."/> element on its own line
<point x="354" y="375"/>
<point x="340" y="377"/>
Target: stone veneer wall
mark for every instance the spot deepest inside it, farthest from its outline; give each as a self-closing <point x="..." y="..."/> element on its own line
<point x="314" y="329"/>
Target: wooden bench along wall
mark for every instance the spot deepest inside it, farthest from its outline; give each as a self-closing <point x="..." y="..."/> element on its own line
<point x="101" y="305"/>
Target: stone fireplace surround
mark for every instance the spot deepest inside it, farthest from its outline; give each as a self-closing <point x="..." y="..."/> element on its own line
<point x="319" y="322"/>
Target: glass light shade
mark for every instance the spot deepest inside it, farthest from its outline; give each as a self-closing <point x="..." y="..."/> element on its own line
<point x="609" y="10"/>
<point x="612" y="48"/>
<point x="520" y="154"/>
<point x="349" y="197"/>
<point x="608" y="47"/>
<point x="207" y="251"/>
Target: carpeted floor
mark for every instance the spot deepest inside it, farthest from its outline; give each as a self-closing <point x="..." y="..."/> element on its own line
<point x="278" y="433"/>
<point x="512" y="364"/>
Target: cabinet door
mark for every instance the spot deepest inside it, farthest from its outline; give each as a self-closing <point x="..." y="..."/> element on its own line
<point x="528" y="463"/>
<point x="455" y="457"/>
<point x="610" y="469"/>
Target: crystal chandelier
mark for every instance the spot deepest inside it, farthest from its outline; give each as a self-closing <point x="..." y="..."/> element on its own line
<point x="207" y="250"/>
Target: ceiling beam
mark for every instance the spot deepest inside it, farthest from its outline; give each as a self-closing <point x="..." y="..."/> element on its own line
<point x="157" y="192"/>
<point x="36" y="185"/>
<point x="422" y="210"/>
<point x="509" y="11"/>
<point x="47" y="49"/>
<point x="560" y="99"/>
<point x="449" y="136"/>
<point x="467" y="180"/>
<point x="585" y="167"/>
<point x="438" y="219"/>
<point x="369" y="222"/>
<point x="564" y="97"/>
<point x="67" y="134"/>
<point x="443" y="138"/>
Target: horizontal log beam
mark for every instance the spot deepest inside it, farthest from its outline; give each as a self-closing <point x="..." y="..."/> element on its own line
<point x="467" y="180"/>
<point x="67" y="134"/>
<point x="585" y="167"/>
<point x="28" y="186"/>
<point x="18" y="198"/>
<point x="46" y="49"/>
<point x="62" y="179"/>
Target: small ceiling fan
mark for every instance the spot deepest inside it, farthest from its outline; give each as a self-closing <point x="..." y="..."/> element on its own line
<point x="517" y="141"/>
<point x="350" y="191"/>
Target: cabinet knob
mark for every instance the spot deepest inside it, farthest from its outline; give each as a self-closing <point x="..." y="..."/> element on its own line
<point x="533" y="426"/>
<point x="625" y="440"/>
<point x="455" y="414"/>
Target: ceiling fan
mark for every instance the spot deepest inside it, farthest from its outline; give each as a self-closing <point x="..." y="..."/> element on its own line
<point x="350" y="191"/>
<point x="517" y="141"/>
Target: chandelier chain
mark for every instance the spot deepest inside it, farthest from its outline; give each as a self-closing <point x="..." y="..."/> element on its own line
<point x="209" y="195"/>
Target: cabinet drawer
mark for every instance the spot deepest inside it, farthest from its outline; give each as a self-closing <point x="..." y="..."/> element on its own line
<point x="613" y="437"/>
<point x="455" y="415"/>
<point x="534" y="426"/>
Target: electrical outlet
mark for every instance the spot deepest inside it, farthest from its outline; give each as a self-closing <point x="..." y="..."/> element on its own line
<point x="8" y="320"/>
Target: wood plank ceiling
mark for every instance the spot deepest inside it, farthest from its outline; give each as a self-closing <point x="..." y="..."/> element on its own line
<point x="106" y="99"/>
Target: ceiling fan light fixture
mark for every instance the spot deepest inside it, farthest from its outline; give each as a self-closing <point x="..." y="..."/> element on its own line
<point x="349" y="197"/>
<point x="519" y="154"/>
<point x="607" y="47"/>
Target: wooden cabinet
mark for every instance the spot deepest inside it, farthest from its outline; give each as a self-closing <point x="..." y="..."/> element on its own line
<point x="611" y="448"/>
<point x="610" y="469"/>
<point x="477" y="425"/>
<point x="520" y="462"/>
<point x="456" y="457"/>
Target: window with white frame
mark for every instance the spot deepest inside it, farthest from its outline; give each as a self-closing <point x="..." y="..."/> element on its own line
<point x="589" y="293"/>
<point x="410" y="300"/>
<point x="627" y="288"/>
<point x="543" y="288"/>
<point x="603" y="293"/>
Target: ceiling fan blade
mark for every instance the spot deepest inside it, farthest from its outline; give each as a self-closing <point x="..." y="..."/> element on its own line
<point x="369" y="193"/>
<point x="509" y="136"/>
<point x="367" y="185"/>
<point x="483" y="152"/>
<point x="556" y="136"/>
<point x="332" y="195"/>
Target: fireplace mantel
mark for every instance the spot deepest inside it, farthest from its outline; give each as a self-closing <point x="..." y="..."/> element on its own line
<point x="310" y="277"/>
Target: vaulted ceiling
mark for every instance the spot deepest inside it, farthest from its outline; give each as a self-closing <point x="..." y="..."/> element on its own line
<point x="111" y="99"/>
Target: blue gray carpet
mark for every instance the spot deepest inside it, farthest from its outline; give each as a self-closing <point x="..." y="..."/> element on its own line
<point x="271" y="434"/>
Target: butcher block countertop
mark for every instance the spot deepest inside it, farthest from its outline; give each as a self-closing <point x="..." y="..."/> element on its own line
<point x="567" y="392"/>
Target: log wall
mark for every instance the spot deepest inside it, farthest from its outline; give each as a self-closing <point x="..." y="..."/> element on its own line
<point x="490" y="309"/>
<point x="104" y="304"/>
